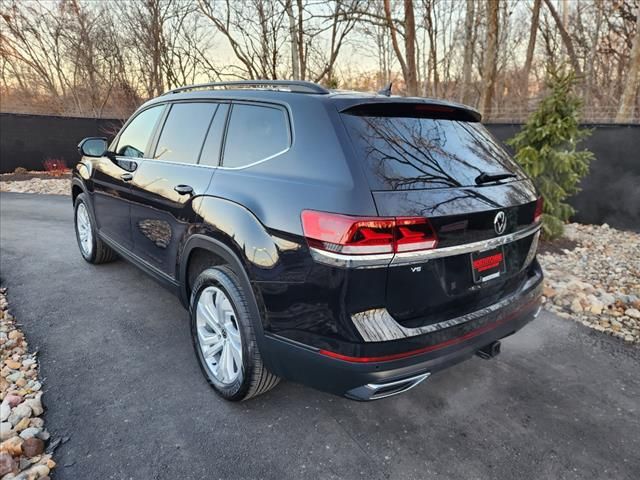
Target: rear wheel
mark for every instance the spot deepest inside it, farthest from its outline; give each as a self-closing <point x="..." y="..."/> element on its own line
<point x="93" y="249"/>
<point x="224" y="339"/>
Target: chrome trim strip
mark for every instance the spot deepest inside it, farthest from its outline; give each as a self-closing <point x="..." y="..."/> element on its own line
<point x="425" y="255"/>
<point x="370" y="390"/>
<point x="422" y="256"/>
<point x="378" y="325"/>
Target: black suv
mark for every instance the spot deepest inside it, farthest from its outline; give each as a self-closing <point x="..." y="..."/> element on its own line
<point x="356" y="243"/>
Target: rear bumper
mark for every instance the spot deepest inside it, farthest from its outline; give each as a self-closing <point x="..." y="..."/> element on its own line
<point x="354" y="376"/>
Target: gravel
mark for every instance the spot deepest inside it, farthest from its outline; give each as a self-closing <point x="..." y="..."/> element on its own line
<point x="55" y="186"/>
<point x="598" y="282"/>
<point x="22" y="431"/>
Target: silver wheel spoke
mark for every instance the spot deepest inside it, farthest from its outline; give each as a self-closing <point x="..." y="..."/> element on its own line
<point x="213" y="349"/>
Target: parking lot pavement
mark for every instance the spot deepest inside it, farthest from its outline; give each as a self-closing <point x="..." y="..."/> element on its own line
<point x="122" y="383"/>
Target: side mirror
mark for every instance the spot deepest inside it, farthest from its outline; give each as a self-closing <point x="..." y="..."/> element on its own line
<point x="93" y="147"/>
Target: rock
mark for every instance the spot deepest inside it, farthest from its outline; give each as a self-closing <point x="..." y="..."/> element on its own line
<point x="6" y="431"/>
<point x="628" y="338"/>
<point x="13" y="377"/>
<point x="7" y="464"/>
<point x="18" y="413"/>
<point x="36" y="405"/>
<point x="28" y="362"/>
<point x="21" y="382"/>
<point x="5" y="411"/>
<point x="607" y="298"/>
<point x="13" y="400"/>
<point x="22" y="424"/>
<point x="596" y="308"/>
<point x="14" y="335"/>
<point x="12" y="446"/>
<point x="32" y="447"/>
<point x="37" y="422"/>
<point x="12" y="364"/>
<point x="44" y="435"/>
<point x="30" y="433"/>
<point x="576" y="306"/>
<point x="633" y="313"/>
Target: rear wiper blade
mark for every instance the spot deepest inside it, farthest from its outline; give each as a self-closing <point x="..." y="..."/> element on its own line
<point x="485" y="177"/>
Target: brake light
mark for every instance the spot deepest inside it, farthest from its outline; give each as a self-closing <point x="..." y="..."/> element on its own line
<point x="414" y="233"/>
<point x="367" y="235"/>
<point x="537" y="216"/>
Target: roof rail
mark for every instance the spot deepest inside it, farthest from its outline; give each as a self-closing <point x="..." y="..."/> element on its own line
<point x="297" y="86"/>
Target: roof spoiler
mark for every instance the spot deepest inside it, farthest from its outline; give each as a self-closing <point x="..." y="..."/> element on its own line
<point x="413" y="108"/>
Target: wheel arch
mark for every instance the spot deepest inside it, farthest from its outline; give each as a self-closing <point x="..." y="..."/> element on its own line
<point x="220" y="254"/>
<point x="224" y="255"/>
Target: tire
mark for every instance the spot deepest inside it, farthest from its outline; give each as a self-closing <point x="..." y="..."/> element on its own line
<point x="93" y="249"/>
<point x="245" y="375"/>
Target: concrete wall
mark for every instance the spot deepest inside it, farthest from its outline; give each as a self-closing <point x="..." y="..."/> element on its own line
<point x="611" y="191"/>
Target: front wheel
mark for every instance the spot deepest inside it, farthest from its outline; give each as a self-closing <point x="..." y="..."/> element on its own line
<point x="93" y="249"/>
<point x="224" y="339"/>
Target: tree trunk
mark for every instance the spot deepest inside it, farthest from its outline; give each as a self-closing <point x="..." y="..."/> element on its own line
<point x="566" y="39"/>
<point x="490" y="64"/>
<point x="535" y="18"/>
<point x="408" y="62"/>
<point x="293" y="33"/>
<point x="410" y="47"/>
<point x="467" y="67"/>
<point x="433" y="52"/>
<point x="628" y="100"/>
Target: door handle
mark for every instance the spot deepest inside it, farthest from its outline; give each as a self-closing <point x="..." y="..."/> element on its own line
<point x="184" y="189"/>
<point x="127" y="177"/>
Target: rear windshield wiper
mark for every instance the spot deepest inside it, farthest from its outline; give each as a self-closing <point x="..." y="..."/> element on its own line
<point x="485" y="177"/>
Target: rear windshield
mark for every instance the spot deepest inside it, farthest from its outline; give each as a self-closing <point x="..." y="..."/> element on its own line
<point x="402" y="153"/>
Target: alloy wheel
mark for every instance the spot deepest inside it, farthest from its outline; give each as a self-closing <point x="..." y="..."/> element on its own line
<point x="218" y="335"/>
<point x="85" y="234"/>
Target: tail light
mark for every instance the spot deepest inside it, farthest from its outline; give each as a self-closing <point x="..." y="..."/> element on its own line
<point x="367" y="235"/>
<point x="538" y="213"/>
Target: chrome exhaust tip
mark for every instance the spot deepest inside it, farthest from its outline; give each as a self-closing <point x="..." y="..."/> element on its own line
<point x="376" y="391"/>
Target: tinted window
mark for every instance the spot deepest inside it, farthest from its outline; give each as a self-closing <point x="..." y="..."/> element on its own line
<point x="135" y="137"/>
<point x="411" y="153"/>
<point x="211" y="150"/>
<point x="184" y="131"/>
<point x="254" y="133"/>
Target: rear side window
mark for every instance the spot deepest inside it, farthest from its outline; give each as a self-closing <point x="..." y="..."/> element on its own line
<point x="255" y="133"/>
<point x="401" y="153"/>
<point x="184" y="132"/>
<point x="135" y="136"/>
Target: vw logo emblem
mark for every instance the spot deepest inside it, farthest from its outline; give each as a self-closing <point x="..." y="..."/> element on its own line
<point x="500" y="223"/>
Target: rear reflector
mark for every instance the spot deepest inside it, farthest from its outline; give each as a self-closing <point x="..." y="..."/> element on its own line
<point x="367" y="235"/>
<point x="537" y="216"/>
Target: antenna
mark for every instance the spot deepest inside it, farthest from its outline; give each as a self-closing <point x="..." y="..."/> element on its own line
<point x="386" y="91"/>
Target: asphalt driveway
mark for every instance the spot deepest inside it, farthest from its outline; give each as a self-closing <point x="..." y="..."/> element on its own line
<point x="122" y="383"/>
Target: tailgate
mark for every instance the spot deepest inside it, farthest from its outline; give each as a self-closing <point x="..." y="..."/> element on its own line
<point x="473" y="265"/>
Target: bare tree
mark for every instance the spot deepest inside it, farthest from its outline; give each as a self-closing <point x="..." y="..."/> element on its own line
<point x="491" y="58"/>
<point x="469" y="40"/>
<point x="566" y="38"/>
<point x="407" y="59"/>
<point x="627" y="102"/>
<point x="533" y="33"/>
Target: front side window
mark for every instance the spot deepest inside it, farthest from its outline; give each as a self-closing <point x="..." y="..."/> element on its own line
<point x="135" y="137"/>
<point x="184" y="132"/>
<point x="255" y="133"/>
